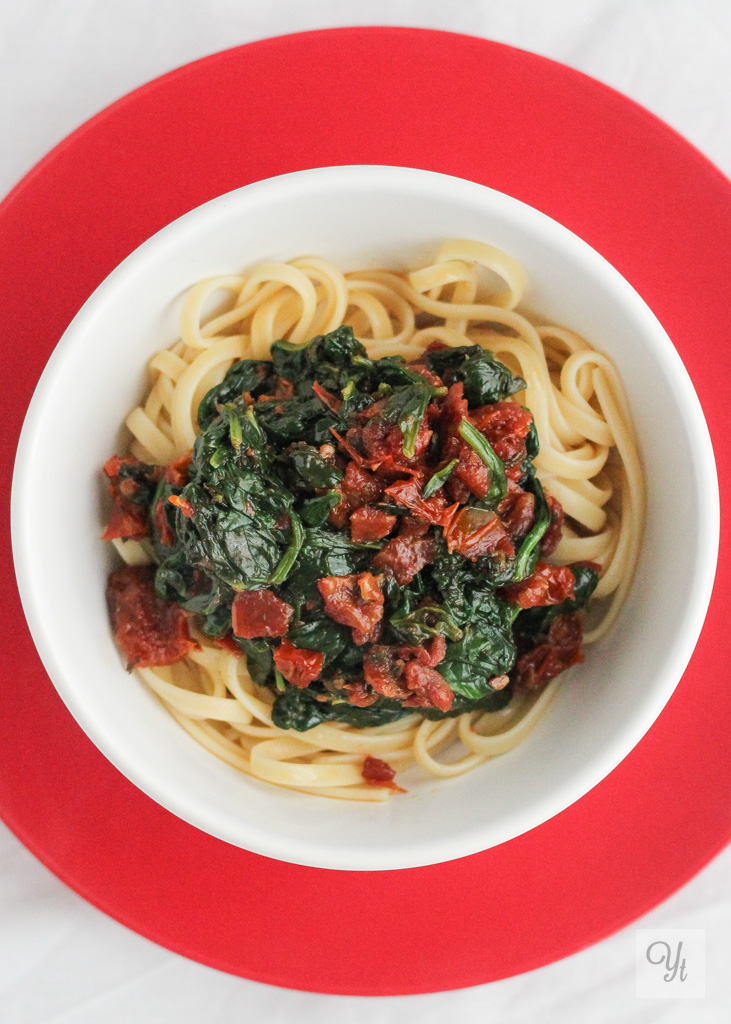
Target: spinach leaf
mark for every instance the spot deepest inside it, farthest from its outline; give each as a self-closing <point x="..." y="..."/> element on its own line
<point x="325" y="356"/>
<point x="438" y="479"/>
<point x="485" y="379"/>
<point x="407" y="407"/>
<point x="419" y="625"/>
<point x="233" y="535"/>
<point x="314" y="512"/>
<point x="300" y="710"/>
<point x="193" y="587"/>
<point x="493" y="700"/>
<point x="483" y="652"/>
<point x="312" y="468"/>
<point x="321" y="633"/>
<point x="527" y="556"/>
<point x="250" y="375"/>
<point x="479" y="444"/>
<point x="533" y="622"/>
<point x="259" y="658"/>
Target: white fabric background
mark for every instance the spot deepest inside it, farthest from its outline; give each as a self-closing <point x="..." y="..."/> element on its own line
<point x="61" y="960"/>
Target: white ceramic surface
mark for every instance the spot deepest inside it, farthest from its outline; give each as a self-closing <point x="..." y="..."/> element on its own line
<point x="359" y="216"/>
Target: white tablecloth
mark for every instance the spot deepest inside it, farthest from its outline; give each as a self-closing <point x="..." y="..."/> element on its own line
<point x="61" y="960"/>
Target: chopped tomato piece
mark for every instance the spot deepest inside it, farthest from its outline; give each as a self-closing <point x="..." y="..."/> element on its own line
<point x="411" y="527"/>
<point x="379" y="773"/>
<point x="358" y="488"/>
<point x="476" y="532"/>
<point x="381" y="439"/>
<point x="549" y="584"/>
<point x="382" y="671"/>
<point x="177" y="472"/>
<point x="432" y="378"/>
<point x="150" y="631"/>
<point x="506" y="426"/>
<point x="228" y="643"/>
<point x="128" y="519"/>
<point x="258" y="613"/>
<point x="517" y="512"/>
<point x="329" y="400"/>
<point x="550" y="539"/>
<point x="354" y="601"/>
<point x="431" y="510"/>
<point x="162" y="525"/>
<point x="561" y="649"/>
<point x="429" y="654"/>
<point x="368" y="523"/>
<point x="429" y="688"/>
<point x="406" y="556"/>
<point x="299" y="667"/>
<point x="359" y="696"/>
<point x="185" y="506"/>
<point x="471" y="471"/>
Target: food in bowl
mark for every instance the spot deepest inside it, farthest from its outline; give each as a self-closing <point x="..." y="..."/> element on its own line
<point x="342" y="518"/>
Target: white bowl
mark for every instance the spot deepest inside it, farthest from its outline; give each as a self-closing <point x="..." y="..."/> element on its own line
<point x="358" y="216"/>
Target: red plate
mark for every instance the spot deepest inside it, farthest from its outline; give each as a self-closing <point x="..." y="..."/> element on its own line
<point x="562" y="142"/>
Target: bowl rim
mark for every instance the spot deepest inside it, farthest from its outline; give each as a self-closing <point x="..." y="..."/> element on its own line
<point x="309" y="852"/>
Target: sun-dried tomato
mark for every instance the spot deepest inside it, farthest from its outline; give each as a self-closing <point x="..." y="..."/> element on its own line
<point x="552" y="536"/>
<point x="411" y="527"/>
<point x="176" y="473"/>
<point x="383" y="440"/>
<point x="432" y="378"/>
<point x="354" y="601"/>
<point x="505" y="425"/>
<point x="471" y="471"/>
<point x="162" y="525"/>
<point x="431" y="653"/>
<point x="454" y="410"/>
<point x="359" y="696"/>
<point x="298" y="666"/>
<point x="258" y="613"/>
<point x="379" y="773"/>
<point x="476" y="532"/>
<point x="561" y="648"/>
<point x="368" y="524"/>
<point x="549" y="584"/>
<point x="185" y="506"/>
<point x="149" y="630"/>
<point x="431" y="510"/>
<point x="517" y="512"/>
<point x="382" y="671"/>
<point x="429" y="688"/>
<point x="406" y="556"/>
<point x="128" y="519"/>
<point x="359" y="488"/>
<point x="227" y="643"/>
<point x="330" y="401"/>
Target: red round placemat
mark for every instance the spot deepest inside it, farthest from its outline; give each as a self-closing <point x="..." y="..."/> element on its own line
<point x="539" y="131"/>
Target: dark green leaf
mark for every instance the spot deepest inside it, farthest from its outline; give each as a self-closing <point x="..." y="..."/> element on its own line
<point x="417" y="626"/>
<point x="314" y="512"/>
<point x="312" y="468"/>
<point x="245" y="375"/>
<point x="438" y="479"/>
<point x="480" y="445"/>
